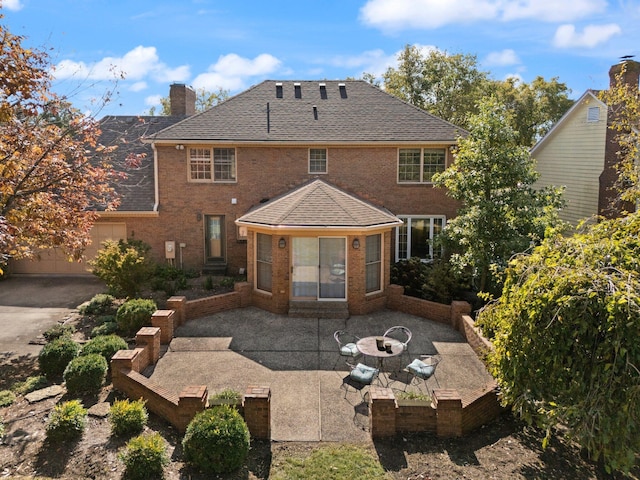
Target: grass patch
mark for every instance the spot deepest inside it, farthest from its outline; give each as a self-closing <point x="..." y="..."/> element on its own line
<point x="30" y="384"/>
<point x="333" y="462"/>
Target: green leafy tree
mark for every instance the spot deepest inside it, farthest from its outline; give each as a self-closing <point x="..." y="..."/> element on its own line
<point x="205" y="99"/>
<point x="565" y="332"/>
<point x="502" y="213"/>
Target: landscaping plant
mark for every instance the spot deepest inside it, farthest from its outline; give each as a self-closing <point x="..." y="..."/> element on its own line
<point x="127" y="417"/>
<point x="100" y="304"/>
<point x="85" y="374"/>
<point x="56" y="355"/>
<point x="58" y="331"/>
<point x="135" y="314"/>
<point x="145" y="457"/>
<point x="67" y="421"/>
<point x="105" y="345"/>
<point x="216" y="440"/>
<point x="123" y="266"/>
<point x="7" y="397"/>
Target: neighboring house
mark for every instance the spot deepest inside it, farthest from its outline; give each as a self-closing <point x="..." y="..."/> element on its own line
<point x="580" y="154"/>
<point x="313" y="189"/>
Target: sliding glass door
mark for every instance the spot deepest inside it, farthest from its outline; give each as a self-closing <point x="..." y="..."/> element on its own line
<point x="319" y="268"/>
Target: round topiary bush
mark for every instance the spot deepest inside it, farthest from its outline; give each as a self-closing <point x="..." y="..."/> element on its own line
<point x="105" y="345"/>
<point x="107" y="328"/>
<point x="56" y="355"/>
<point x="67" y="421"/>
<point x="100" y="304"/>
<point x="135" y="314"/>
<point x="127" y="417"/>
<point x="85" y="374"/>
<point x="145" y="457"/>
<point x="216" y="440"/>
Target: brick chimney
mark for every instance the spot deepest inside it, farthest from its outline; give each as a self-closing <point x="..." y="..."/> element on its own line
<point x="609" y="204"/>
<point x="182" y="99"/>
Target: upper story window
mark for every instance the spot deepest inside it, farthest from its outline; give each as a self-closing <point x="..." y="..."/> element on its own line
<point x="317" y="160"/>
<point x="418" y="165"/>
<point x="212" y="164"/>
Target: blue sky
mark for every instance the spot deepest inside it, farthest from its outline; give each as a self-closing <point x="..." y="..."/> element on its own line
<point x="213" y="44"/>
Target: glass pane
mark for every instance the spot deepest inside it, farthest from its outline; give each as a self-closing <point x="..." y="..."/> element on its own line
<point x="409" y="165"/>
<point x="214" y="236"/>
<point x="332" y="267"/>
<point x="305" y="267"/>
<point x="224" y="164"/>
<point x="402" y="253"/>
<point x="373" y="263"/>
<point x="434" y="159"/>
<point x="420" y="237"/>
<point x="318" y="160"/>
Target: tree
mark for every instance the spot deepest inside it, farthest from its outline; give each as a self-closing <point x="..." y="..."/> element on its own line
<point x="451" y="86"/>
<point x="502" y="213"/>
<point x="205" y="99"/>
<point x="50" y="185"/>
<point x="565" y="332"/>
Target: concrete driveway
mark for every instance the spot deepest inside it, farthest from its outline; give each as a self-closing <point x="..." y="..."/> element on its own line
<point x="30" y="304"/>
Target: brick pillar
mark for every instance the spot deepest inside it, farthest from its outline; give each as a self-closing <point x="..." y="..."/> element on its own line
<point x="394" y="296"/>
<point x="383" y="412"/>
<point x="257" y="411"/>
<point x="179" y="305"/>
<point x="448" y="413"/>
<point x="459" y="308"/>
<point x="149" y="338"/>
<point x="244" y="289"/>
<point x="191" y="401"/>
<point x="164" y="319"/>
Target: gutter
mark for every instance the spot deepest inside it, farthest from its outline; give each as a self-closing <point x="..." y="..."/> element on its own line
<point x="156" y="190"/>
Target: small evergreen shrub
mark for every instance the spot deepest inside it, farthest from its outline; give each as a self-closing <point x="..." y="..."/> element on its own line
<point x="208" y="283"/>
<point x="107" y="328"/>
<point x="105" y="345"/>
<point x="30" y="384"/>
<point x="216" y="440"/>
<point x="227" y="395"/>
<point x="135" y="314"/>
<point x="86" y="374"/>
<point x="123" y="266"/>
<point x="7" y="397"/>
<point x="56" y="355"/>
<point x="127" y="417"/>
<point x="100" y="304"/>
<point x="144" y="457"/>
<point x="67" y="421"/>
<point x="58" y="331"/>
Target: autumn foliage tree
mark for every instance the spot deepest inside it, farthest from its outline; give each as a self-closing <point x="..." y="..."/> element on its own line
<point x="52" y="178"/>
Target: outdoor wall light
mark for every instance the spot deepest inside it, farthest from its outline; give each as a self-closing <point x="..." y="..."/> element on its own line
<point x="179" y="147"/>
<point x="356" y="244"/>
<point x="282" y="243"/>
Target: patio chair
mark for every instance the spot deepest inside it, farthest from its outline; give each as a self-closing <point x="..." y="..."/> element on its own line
<point x="403" y="336"/>
<point x="359" y="377"/>
<point x="347" y="346"/>
<point x="422" y="369"/>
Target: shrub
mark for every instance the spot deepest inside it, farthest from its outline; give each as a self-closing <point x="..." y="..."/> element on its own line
<point x="85" y="374"/>
<point x="105" y="345"/>
<point x="1" y="429"/>
<point x="56" y="355"/>
<point x="7" y="397"/>
<point x="227" y="395"/>
<point x="145" y="457"/>
<point x="216" y="440"/>
<point x="30" y="384"/>
<point x="100" y="304"/>
<point x="127" y="417"/>
<point x="58" y="331"/>
<point x="107" y="328"/>
<point x="208" y="283"/>
<point x="123" y="266"/>
<point x="67" y="421"/>
<point x="135" y="314"/>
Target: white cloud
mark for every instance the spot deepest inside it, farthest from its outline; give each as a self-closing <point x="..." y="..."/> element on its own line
<point x="375" y="62"/>
<point x="153" y="100"/>
<point x="566" y="35"/>
<point x="231" y="71"/>
<point x="138" y="86"/>
<point x="13" y="5"/>
<point x="396" y="15"/>
<point x="503" y="58"/>
<point x="136" y="65"/>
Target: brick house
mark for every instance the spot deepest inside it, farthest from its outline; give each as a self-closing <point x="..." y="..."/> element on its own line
<point x="313" y="189"/>
<point x="580" y="154"/>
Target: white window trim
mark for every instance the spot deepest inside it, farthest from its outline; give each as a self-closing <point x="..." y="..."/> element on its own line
<point x="382" y="280"/>
<point x="408" y="218"/>
<point x="422" y="149"/>
<point x="326" y="161"/>
<point x="593" y="118"/>
<point x="256" y="261"/>
<point x="212" y="157"/>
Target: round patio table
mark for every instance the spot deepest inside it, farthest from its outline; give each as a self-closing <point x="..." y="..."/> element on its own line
<point x="368" y="347"/>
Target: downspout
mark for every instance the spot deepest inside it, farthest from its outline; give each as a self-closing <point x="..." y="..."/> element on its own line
<point x="155" y="178"/>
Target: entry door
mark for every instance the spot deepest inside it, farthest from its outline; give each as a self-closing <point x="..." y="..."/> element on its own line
<point x="319" y="268"/>
<point x="214" y="238"/>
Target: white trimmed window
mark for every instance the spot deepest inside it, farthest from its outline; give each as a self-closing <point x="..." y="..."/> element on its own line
<point x="418" y="165"/>
<point x="212" y="164"/>
<point x="317" y="160"/>
<point x="263" y="262"/>
<point x="415" y="237"/>
<point x="373" y="263"/>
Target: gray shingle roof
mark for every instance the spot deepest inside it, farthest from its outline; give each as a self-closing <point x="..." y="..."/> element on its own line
<point x="125" y="131"/>
<point x="345" y="111"/>
<point x="319" y="204"/>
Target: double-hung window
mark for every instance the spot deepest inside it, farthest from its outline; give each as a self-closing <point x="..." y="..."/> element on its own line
<point x="415" y="237"/>
<point x="418" y="165"/>
<point x="373" y="263"/>
<point x="212" y="164"/>
<point x="263" y="262"/>
<point x="317" y="160"/>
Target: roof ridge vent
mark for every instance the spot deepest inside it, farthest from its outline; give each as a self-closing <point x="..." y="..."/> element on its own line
<point x="323" y="90"/>
<point x="343" y="90"/>
<point x="278" y="89"/>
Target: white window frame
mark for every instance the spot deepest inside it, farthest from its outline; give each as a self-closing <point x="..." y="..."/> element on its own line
<point x="266" y="262"/>
<point x="421" y="166"/>
<point x="593" y="114"/>
<point x="407" y="219"/>
<point x="379" y="261"/>
<point x="311" y="159"/>
<point x="210" y="160"/>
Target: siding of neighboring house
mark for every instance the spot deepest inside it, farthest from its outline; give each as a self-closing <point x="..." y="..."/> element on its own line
<point x="573" y="156"/>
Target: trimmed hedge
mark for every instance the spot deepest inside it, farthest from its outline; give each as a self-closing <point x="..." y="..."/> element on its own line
<point x="127" y="417"/>
<point x="85" y="374"/>
<point x="105" y="345"/>
<point x="145" y="457"/>
<point x="56" y="355"/>
<point x="67" y="421"/>
<point x="135" y="314"/>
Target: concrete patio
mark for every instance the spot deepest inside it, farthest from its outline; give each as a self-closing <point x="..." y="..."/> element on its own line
<point x="295" y="357"/>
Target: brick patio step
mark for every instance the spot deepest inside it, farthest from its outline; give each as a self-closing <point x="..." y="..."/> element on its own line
<point x="312" y="309"/>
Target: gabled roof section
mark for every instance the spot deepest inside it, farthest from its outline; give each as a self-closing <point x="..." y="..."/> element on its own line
<point x="137" y="191"/>
<point x="318" y="204"/>
<point x="312" y="112"/>
<point x="589" y="95"/>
